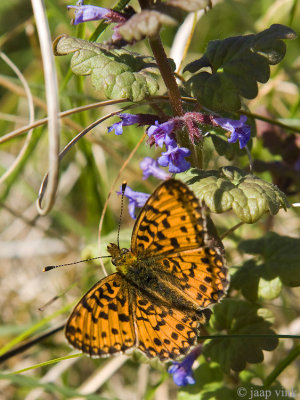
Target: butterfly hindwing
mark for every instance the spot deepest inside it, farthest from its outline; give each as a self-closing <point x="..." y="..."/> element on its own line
<point x="200" y="274"/>
<point x="101" y="324"/>
<point x="161" y="331"/>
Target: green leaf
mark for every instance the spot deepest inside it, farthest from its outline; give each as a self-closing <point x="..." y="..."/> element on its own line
<point x="237" y="64"/>
<point x="248" y="196"/>
<point x="269" y="290"/>
<point x="238" y="318"/>
<point x="119" y="74"/>
<point x="280" y="256"/>
<point x="249" y="279"/>
<point x="208" y="376"/>
<point x="246" y="279"/>
<point x="211" y="391"/>
<point x="222" y="147"/>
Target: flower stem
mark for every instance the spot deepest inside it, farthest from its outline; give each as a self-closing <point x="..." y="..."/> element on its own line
<point x="167" y="75"/>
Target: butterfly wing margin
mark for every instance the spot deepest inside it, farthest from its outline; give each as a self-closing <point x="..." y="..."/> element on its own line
<point x="101" y="323"/>
<point x="172" y="218"/>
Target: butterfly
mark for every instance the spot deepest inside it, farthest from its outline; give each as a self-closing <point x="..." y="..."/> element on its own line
<point x="162" y="287"/>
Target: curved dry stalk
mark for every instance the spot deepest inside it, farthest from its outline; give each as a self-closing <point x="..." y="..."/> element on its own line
<point x="28" y="93"/>
<point x="63" y="114"/>
<point x="109" y="194"/>
<point x="153" y="99"/>
<point x="52" y="103"/>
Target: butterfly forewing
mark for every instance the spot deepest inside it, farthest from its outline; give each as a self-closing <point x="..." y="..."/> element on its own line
<point x="172" y="230"/>
<point x="170" y="220"/>
<point x="101" y="324"/>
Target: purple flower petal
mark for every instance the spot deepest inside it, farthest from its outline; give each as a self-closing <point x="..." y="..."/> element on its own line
<point x="89" y="13"/>
<point x="131" y="119"/>
<point x="150" y="167"/>
<point x="161" y="134"/>
<point x="93" y="13"/>
<point x="136" y="199"/>
<point x="174" y="158"/>
<point x="182" y="371"/>
<point x="117" y="126"/>
<point x="240" y="131"/>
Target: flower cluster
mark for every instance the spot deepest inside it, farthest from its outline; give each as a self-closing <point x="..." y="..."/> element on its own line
<point x="163" y="133"/>
<point x="160" y="134"/>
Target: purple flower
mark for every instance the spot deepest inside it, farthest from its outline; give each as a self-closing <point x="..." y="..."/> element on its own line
<point x="161" y="134"/>
<point x="150" y="167"/>
<point x="239" y="130"/>
<point x="136" y="199"/>
<point x="174" y="158"/>
<point x="182" y="371"/>
<point x="131" y="119"/>
<point x="92" y="13"/>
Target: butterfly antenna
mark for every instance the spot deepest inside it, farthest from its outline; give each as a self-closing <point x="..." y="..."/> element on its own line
<point x="49" y="267"/>
<point x="124" y="184"/>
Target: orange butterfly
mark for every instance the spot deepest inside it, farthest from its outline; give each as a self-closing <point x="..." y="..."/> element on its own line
<point x="163" y="284"/>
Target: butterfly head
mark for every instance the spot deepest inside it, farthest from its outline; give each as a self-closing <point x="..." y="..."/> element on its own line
<point x="121" y="258"/>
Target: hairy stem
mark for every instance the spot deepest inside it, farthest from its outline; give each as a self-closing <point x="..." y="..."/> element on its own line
<point x="167" y="75"/>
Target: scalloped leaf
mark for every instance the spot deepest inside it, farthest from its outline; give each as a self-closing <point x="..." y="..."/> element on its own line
<point x="280" y="257"/>
<point x="237" y="64"/>
<point x="248" y="196"/>
<point x="238" y="318"/>
<point x="119" y="74"/>
<point x="146" y="23"/>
